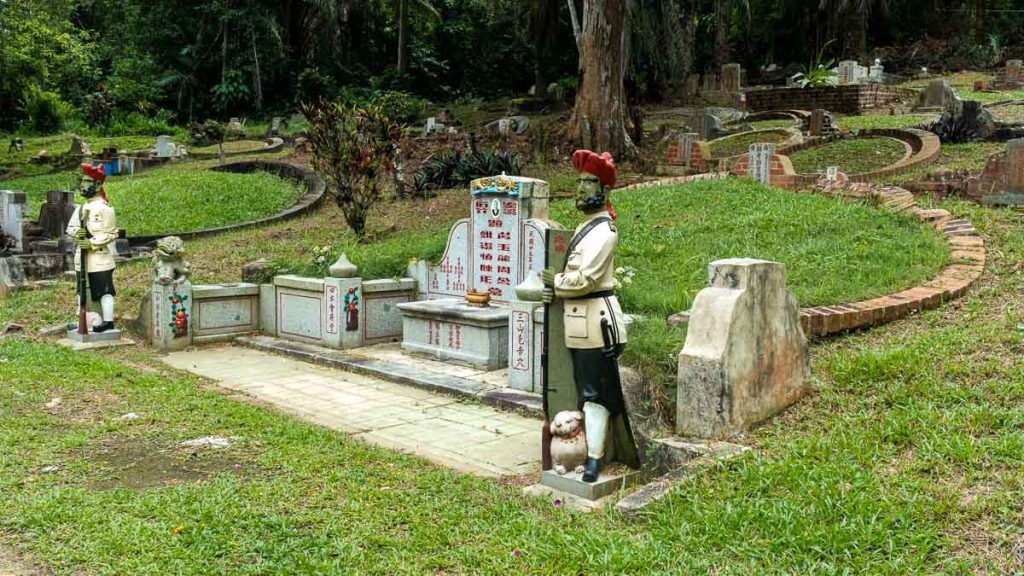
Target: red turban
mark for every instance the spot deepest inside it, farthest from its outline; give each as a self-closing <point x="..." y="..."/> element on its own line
<point x="98" y="174"/>
<point x="600" y="165"/>
<point x="95" y="172"/>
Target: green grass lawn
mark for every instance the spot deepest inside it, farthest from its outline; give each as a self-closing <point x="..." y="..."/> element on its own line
<point x="906" y="459"/>
<point x="735" y="145"/>
<point x="770" y="124"/>
<point x="60" y="144"/>
<point x="852" y="156"/>
<point x="833" y="251"/>
<point x="880" y="121"/>
<point x="232" y="147"/>
<point x="177" y="198"/>
<point x="965" y="156"/>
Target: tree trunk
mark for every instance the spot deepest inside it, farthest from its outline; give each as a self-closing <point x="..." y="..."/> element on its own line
<point x="723" y="22"/>
<point x="257" y="79"/>
<point x="979" y="22"/>
<point x="574" y="19"/>
<point x="403" y="9"/>
<point x="599" y="119"/>
<point x="689" y="37"/>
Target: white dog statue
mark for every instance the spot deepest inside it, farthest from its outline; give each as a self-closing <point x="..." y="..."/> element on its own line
<point x="568" y="442"/>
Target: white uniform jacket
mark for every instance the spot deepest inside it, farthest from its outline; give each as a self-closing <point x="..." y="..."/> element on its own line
<point x="589" y="269"/>
<point x="102" y="226"/>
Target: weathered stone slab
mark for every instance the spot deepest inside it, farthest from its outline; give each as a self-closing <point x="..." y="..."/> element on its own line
<point x="383" y="318"/>
<point x="745" y="356"/>
<point x="12" y="213"/>
<point x="171" y="308"/>
<point x="300" y="314"/>
<point x="451" y="330"/>
<point x="299" y="283"/>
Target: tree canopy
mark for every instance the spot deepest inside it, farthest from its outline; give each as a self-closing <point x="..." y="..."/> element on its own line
<point x="237" y="57"/>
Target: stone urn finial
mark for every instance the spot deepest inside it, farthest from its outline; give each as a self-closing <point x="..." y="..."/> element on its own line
<point x="343" y="268"/>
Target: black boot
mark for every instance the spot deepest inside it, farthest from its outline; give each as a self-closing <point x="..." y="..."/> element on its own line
<point x="103" y="327"/>
<point x="591" y="469"/>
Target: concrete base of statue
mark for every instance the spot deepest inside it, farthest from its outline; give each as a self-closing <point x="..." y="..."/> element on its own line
<point x="94" y="340"/>
<point x="609" y="481"/>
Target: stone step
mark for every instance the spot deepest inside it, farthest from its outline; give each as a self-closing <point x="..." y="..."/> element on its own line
<point x="409" y="373"/>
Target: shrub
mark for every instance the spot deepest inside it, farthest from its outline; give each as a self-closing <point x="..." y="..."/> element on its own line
<point x="353" y="148"/>
<point x="452" y="168"/>
<point x="400" y="106"/>
<point x="45" y="110"/>
<point x="138" y="124"/>
<point x="208" y="133"/>
<point x="99" y="109"/>
<point x="312" y="86"/>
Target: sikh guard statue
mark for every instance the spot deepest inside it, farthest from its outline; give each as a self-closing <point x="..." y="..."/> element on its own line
<point x="595" y="328"/>
<point x="94" y="226"/>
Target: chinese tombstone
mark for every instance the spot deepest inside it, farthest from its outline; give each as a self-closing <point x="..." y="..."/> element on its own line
<point x="12" y="213"/>
<point x="489" y="253"/>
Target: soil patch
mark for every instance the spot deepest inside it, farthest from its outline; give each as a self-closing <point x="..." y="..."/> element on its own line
<point x="127" y="463"/>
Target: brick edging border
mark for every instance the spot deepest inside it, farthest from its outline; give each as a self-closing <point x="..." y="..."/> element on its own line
<point x="966" y="248"/>
<point x="316" y="187"/>
<point x="274" y="144"/>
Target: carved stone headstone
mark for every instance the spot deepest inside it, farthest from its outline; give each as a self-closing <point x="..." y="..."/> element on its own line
<point x="164" y="146"/>
<point x="745" y="357"/>
<point x="79" y="148"/>
<point x="12" y="215"/>
<point x="847" y="71"/>
<point x="760" y="161"/>
<point x="938" y="94"/>
<point x="820" y="123"/>
<point x="56" y="212"/>
<point x="731" y="78"/>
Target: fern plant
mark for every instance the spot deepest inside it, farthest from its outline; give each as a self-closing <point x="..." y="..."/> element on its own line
<point x="819" y="71"/>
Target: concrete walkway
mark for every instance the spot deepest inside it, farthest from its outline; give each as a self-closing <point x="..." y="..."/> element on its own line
<point x="469" y="437"/>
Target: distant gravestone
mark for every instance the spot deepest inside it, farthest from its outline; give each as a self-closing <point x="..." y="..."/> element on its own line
<point x="164" y="146"/>
<point x="56" y="212"/>
<point x="275" y="126"/>
<point x="877" y="72"/>
<point x="820" y="123"/>
<point x="707" y="125"/>
<point x="12" y="213"/>
<point x="759" y="163"/>
<point x="684" y="144"/>
<point x="847" y="71"/>
<point x="745" y="357"/>
<point x="731" y="77"/>
<point x="1014" y="69"/>
<point x="832" y="173"/>
<point x="1015" y="165"/>
<point x="79" y="148"/>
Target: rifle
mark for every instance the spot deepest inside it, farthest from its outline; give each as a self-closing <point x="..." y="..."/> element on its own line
<point x="545" y="435"/>
<point x="83" y="299"/>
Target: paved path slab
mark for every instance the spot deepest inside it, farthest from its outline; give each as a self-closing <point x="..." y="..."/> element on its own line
<point x="467" y="436"/>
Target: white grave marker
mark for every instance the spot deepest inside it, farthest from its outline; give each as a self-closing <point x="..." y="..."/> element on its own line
<point x="759" y="163"/>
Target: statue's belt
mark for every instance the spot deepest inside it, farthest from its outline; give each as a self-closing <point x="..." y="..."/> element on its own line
<point x="598" y="294"/>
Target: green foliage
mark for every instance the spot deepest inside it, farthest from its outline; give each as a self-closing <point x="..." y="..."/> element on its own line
<point x="98" y="109"/>
<point x="354" y="148"/>
<point x="312" y="86"/>
<point x="124" y="123"/>
<point x="45" y="110"/>
<point x="818" y="72"/>
<point x="208" y="133"/>
<point x="401" y="107"/>
<point x="231" y="90"/>
<point x="454" y="168"/>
